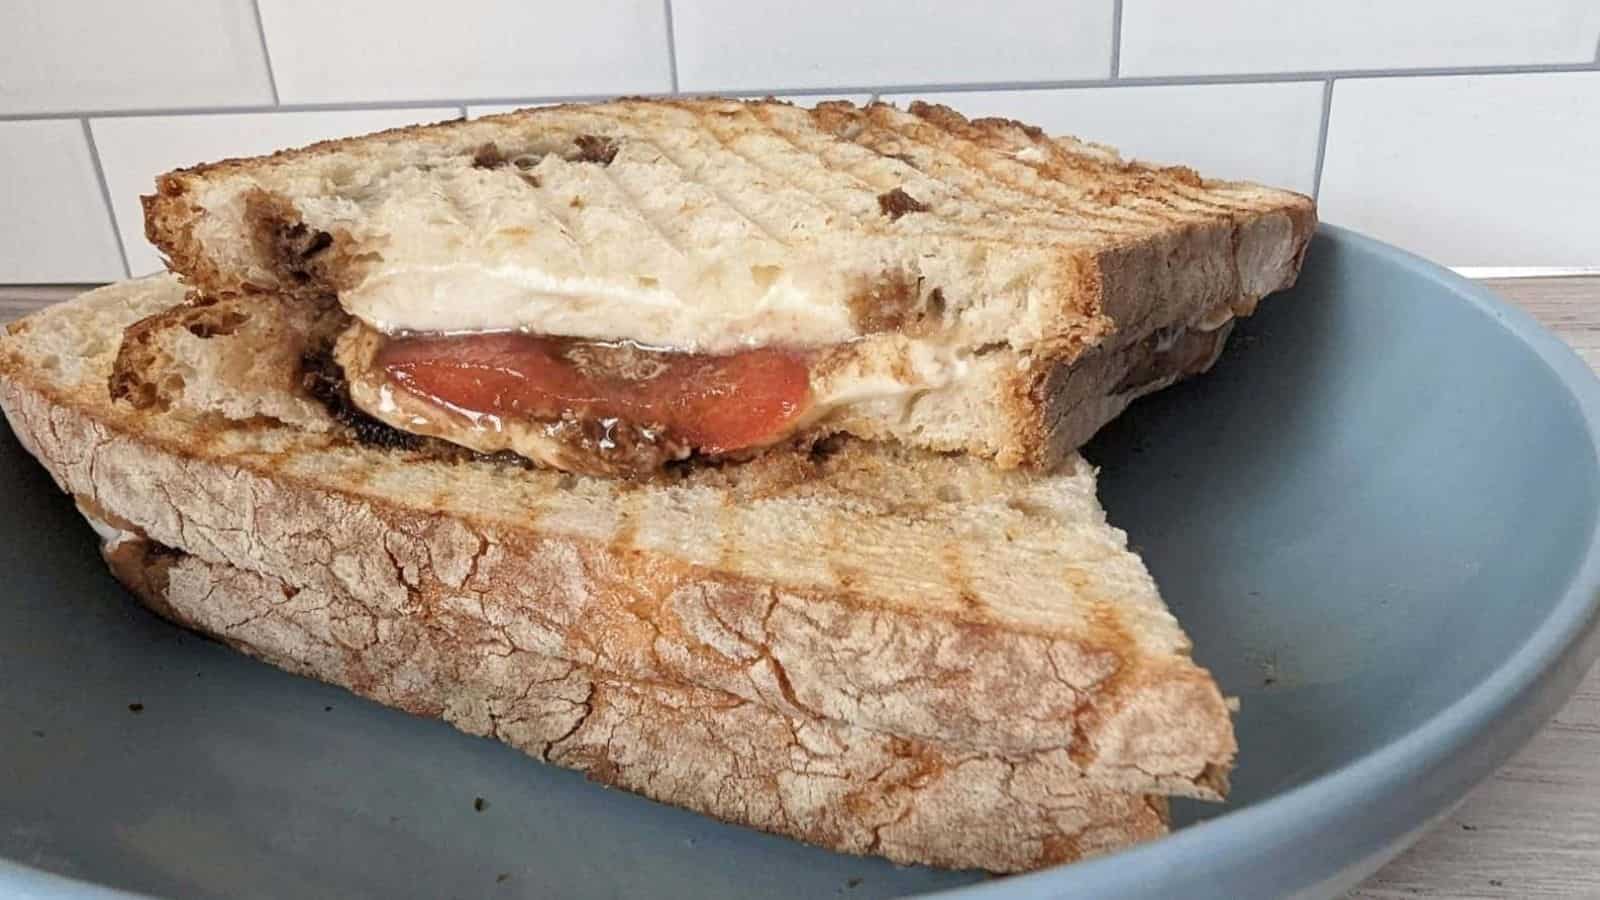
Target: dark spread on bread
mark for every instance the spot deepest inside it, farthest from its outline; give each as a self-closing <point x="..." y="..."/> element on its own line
<point x="309" y="261"/>
<point x="612" y="408"/>
<point x="897" y="203"/>
<point x="896" y="301"/>
<point x="324" y="380"/>
<point x="489" y="156"/>
<point x="593" y="148"/>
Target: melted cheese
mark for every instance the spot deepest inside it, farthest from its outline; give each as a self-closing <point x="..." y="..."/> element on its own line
<point x="469" y="297"/>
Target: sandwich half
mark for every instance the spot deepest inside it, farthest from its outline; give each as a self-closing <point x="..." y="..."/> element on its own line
<point x="617" y="287"/>
<point x="829" y="644"/>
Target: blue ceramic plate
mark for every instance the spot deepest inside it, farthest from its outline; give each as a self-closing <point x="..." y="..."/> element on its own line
<point x="1376" y="517"/>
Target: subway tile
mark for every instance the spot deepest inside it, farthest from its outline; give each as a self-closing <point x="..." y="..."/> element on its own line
<point x="56" y="228"/>
<point x="1181" y="37"/>
<point x="134" y="150"/>
<point x="1469" y="170"/>
<point x="475" y="112"/>
<point x="372" y="50"/>
<point x="80" y="55"/>
<point x="1256" y="132"/>
<point x="734" y="45"/>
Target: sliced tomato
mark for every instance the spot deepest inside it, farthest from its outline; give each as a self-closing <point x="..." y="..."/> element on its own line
<point x="713" y="403"/>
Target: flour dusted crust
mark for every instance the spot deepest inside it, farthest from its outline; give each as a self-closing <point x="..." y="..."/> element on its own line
<point x="821" y="782"/>
<point x="983" y="234"/>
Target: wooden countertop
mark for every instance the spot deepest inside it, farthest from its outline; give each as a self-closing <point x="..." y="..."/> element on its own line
<point x="1533" y="829"/>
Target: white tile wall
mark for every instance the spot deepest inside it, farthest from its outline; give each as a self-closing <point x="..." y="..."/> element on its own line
<point x="474" y="112"/>
<point x="94" y="55"/>
<point x="742" y="44"/>
<point x="1473" y="168"/>
<point x="135" y="150"/>
<point x="54" y="226"/>
<point x="1257" y="132"/>
<point x="1480" y="170"/>
<point x="1184" y="37"/>
<point x="377" y="50"/>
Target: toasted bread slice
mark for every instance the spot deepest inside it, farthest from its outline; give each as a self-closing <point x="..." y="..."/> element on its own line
<point x="903" y="592"/>
<point x="708" y="225"/>
<point x="825" y="783"/>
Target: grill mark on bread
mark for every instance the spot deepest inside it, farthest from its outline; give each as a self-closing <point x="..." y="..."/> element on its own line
<point x="735" y="156"/>
<point x="955" y="571"/>
<point x="976" y="139"/>
<point x="994" y="134"/>
<point x="728" y="557"/>
<point x="966" y="228"/>
<point x="624" y="538"/>
<point x="1107" y="635"/>
<point x="721" y="196"/>
<point x="969" y="230"/>
<point x="887" y="126"/>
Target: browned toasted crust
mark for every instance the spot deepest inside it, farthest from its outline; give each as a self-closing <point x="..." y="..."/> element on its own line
<point x="827" y="784"/>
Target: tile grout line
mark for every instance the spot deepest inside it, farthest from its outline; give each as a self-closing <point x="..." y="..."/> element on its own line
<point x="105" y="196"/>
<point x="1116" y="39"/>
<point x="1322" y="138"/>
<point x="266" y="55"/>
<point x="951" y="87"/>
<point x="672" y="47"/>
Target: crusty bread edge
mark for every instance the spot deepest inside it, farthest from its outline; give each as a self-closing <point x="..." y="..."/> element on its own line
<point x="830" y="785"/>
